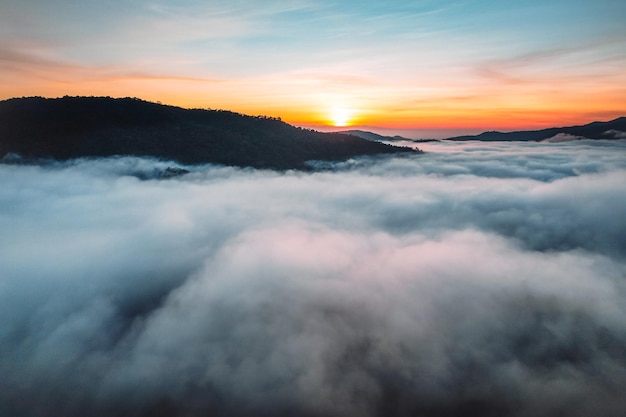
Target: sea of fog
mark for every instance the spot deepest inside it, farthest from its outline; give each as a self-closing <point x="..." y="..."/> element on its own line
<point x="483" y="279"/>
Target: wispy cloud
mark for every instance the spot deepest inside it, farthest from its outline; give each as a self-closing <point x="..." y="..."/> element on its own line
<point x="558" y="63"/>
<point x="382" y="56"/>
<point x="14" y="62"/>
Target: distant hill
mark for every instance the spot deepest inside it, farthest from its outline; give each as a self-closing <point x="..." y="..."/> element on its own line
<point x="72" y="127"/>
<point x="381" y="138"/>
<point x="372" y="136"/>
<point x="614" y="129"/>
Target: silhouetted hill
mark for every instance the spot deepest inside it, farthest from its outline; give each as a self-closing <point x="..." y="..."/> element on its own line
<point x="381" y="138"/>
<point x="372" y="136"/>
<point x="73" y="127"/>
<point x="596" y="130"/>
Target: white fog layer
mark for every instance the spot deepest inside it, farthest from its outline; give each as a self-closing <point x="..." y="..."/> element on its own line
<point x="474" y="279"/>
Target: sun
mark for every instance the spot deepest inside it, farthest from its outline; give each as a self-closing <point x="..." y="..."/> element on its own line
<point x="340" y="117"/>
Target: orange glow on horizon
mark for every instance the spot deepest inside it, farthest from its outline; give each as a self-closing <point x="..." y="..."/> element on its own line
<point x="340" y="117"/>
<point x="397" y="75"/>
<point x="341" y="110"/>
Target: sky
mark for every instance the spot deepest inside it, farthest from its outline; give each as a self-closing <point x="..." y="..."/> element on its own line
<point x="475" y="279"/>
<point x="421" y="68"/>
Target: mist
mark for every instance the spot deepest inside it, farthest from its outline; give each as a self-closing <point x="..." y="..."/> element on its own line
<point x="474" y="279"/>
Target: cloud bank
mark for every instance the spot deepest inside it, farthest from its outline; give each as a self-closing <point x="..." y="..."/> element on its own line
<point x="476" y="279"/>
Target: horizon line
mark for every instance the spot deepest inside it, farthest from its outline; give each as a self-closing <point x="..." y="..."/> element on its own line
<point x="329" y="128"/>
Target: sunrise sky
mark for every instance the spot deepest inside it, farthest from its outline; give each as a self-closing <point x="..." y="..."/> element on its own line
<point x="418" y="68"/>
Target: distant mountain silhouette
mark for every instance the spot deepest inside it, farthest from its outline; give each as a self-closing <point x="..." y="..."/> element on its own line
<point x="72" y="127"/>
<point x="614" y="129"/>
<point x="381" y="138"/>
<point x="372" y="136"/>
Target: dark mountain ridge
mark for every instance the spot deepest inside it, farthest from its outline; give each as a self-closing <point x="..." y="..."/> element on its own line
<point x="73" y="127"/>
<point x="382" y="138"/>
<point x="596" y="130"/>
<point x="372" y="136"/>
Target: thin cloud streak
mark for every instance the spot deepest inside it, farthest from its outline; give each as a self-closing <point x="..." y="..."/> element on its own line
<point x="536" y="69"/>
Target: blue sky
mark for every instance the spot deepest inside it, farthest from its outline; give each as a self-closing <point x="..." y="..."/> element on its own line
<point x="395" y="64"/>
